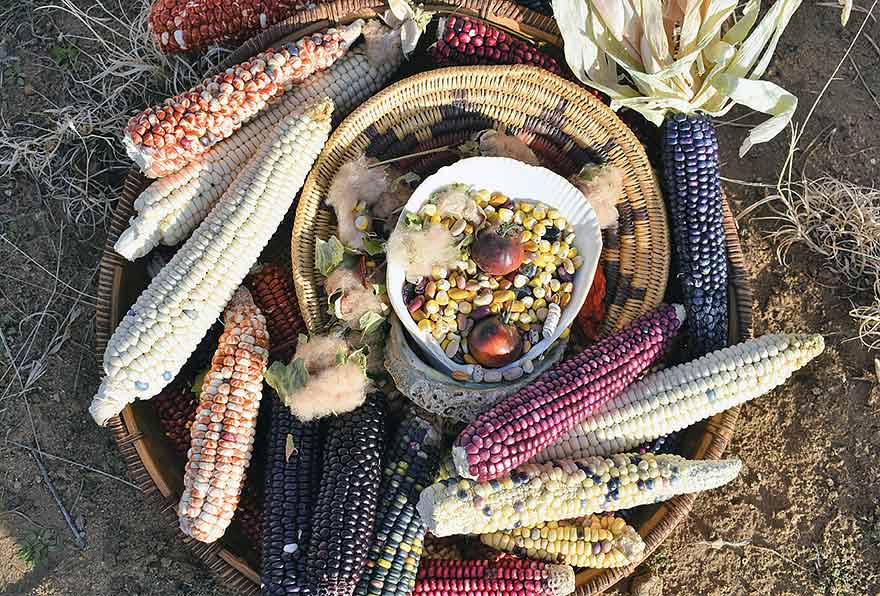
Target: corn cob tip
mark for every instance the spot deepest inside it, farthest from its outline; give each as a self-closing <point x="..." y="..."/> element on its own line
<point x="460" y="462"/>
<point x="351" y="32"/>
<point x="561" y="580"/>
<point x="134" y="243"/>
<point x="319" y="109"/>
<point x="680" y="312"/>
<point x="108" y="402"/>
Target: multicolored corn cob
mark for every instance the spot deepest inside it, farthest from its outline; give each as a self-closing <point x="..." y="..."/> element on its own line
<point x="188" y="25"/>
<point x="176" y="408"/>
<point x="693" y="193"/>
<point x="520" y="426"/>
<point x="597" y="542"/>
<point x="664" y="444"/>
<point x="293" y="465"/>
<point x="172" y="207"/>
<point x="675" y="398"/>
<point x="441" y="548"/>
<point x="465" y="41"/>
<point x="273" y="292"/>
<point x="505" y="577"/>
<point x="171" y="316"/>
<point x="163" y="139"/>
<point x="226" y="418"/>
<point x="345" y="511"/>
<point x="537" y="493"/>
<point x="410" y="466"/>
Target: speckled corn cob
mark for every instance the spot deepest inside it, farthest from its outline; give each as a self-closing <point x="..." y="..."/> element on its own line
<point x="163" y="139"/>
<point x="170" y="317"/>
<point x="172" y="207"/>
<point x="176" y="408"/>
<point x="464" y="41"/>
<point x="693" y="193"/>
<point x="293" y="464"/>
<point x="410" y="466"/>
<point x="187" y="25"/>
<point x="345" y="511"/>
<point x="675" y="398"/>
<point x="520" y="426"/>
<point x="505" y="577"/>
<point x="597" y="542"/>
<point x="273" y="292"/>
<point x="226" y="418"/>
<point x="536" y="493"/>
<point x="447" y="549"/>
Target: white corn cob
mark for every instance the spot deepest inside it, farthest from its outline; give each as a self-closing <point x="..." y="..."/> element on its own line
<point x="675" y="398"/>
<point x="172" y="207"/>
<point x="537" y="493"/>
<point x="171" y="316"/>
<point x="222" y="434"/>
<point x="597" y="542"/>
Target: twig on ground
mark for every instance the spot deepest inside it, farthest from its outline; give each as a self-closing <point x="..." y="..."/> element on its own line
<point x="718" y="544"/>
<point x="77" y="535"/>
<point x="76" y="464"/>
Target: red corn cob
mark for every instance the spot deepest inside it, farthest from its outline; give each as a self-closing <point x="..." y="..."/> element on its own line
<point x="503" y="577"/>
<point x="164" y="138"/>
<point x="186" y="25"/>
<point x="517" y="428"/>
<point x="464" y="41"/>
<point x="273" y="293"/>
<point x="176" y="409"/>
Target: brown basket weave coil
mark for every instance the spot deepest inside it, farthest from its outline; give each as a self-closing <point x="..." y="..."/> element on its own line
<point x="155" y="467"/>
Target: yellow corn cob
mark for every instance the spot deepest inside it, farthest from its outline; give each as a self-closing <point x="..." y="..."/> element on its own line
<point x="675" y="398"/>
<point x="171" y="316"/>
<point x="536" y="493"/>
<point x="173" y="206"/>
<point x="600" y="541"/>
<point x="222" y="435"/>
<point x="164" y="138"/>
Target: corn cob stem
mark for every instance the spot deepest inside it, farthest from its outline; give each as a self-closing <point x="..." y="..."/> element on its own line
<point x="519" y="427"/>
<point x="170" y="317"/>
<point x="675" y="398"/>
<point x="273" y="292"/>
<point x="292" y="477"/>
<point x="397" y="545"/>
<point x="536" y="493"/>
<point x="172" y="207"/>
<point x="506" y="577"/>
<point x="163" y="139"/>
<point x="345" y="510"/>
<point x="597" y="542"/>
<point x="226" y="418"/>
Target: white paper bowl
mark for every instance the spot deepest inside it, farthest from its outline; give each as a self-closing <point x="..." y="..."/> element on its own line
<point x="517" y="180"/>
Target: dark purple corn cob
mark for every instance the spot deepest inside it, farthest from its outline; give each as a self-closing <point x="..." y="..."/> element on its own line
<point x="518" y="427"/>
<point x="176" y="409"/>
<point x="249" y="515"/>
<point x="466" y="41"/>
<point x="410" y="465"/>
<point x="345" y="511"/>
<point x="541" y="6"/>
<point x="693" y="194"/>
<point x="291" y="485"/>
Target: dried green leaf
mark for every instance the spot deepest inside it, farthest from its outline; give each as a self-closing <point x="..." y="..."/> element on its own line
<point x="412" y="221"/>
<point x="374" y="246"/>
<point x="328" y="255"/>
<point x="369" y="322"/>
<point x="289" y="448"/>
<point x="287" y="379"/>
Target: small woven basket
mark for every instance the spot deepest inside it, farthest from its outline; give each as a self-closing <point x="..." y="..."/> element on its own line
<point x="635" y="260"/>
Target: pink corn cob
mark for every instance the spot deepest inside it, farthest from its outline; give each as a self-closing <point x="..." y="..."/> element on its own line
<point x="186" y="25"/>
<point x="502" y="577"/>
<point x="463" y="40"/>
<point x="517" y="428"/>
<point x="164" y="138"/>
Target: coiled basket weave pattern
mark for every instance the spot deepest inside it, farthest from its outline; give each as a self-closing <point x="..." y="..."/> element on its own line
<point x="152" y="462"/>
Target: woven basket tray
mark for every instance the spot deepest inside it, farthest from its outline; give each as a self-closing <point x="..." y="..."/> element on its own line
<point x="155" y="467"/>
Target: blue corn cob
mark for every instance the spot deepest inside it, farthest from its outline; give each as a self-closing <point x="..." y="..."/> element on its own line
<point x="693" y="194"/>
<point x="410" y="465"/>
<point x="292" y="466"/>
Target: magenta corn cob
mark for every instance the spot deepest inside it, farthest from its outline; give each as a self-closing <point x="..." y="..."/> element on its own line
<point x="503" y="577"/>
<point x="186" y="25"/>
<point x="517" y="428"/>
<point x="164" y="138"/>
<point x="465" y="41"/>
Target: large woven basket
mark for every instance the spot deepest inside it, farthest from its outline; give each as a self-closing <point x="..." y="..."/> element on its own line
<point x="158" y="470"/>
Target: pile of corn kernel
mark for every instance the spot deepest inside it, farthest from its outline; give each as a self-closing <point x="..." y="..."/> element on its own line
<point x="447" y="304"/>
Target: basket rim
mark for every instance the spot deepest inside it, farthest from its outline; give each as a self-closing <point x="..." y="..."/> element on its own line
<point x="229" y="568"/>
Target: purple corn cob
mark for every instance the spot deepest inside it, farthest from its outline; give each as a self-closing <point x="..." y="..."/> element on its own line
<point x="517" y="428"/>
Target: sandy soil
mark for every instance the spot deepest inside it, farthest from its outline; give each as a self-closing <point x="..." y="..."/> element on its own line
<point x="803" y="518"/>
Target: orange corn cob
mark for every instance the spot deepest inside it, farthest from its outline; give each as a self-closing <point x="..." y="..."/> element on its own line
<point x="273" y="293"/>
<point x="225" y="424"/>
<point x="164" y="138"/>
<point x="186" y="25"/>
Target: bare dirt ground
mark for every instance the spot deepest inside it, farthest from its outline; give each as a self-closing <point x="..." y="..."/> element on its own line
<point x="803" y="518"/>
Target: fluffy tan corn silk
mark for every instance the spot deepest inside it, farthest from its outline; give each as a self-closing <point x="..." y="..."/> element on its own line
<point x="226" y="420"/>
<point x="164" y="138"/>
